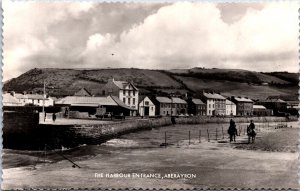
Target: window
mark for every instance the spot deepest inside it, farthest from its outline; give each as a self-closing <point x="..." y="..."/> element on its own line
<point x="124" y="100"/>
<point x="133" y="101"/>
<point x="103" y="92"/>
<point x="124" y="92"/>
<point x="133" y="93"/>
<point x="208" y="105"/>
<point x="146" y="102"/>
<point x="128" y="101"/>
<point x="151" y="108"/>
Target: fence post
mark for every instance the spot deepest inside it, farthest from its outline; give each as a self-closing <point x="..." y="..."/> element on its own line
<point x="199" y="136"/>
<point x="207" y="135"/>
<point x="165" y="138"/>
<point x="222" y="132"/>
<point x="189" y="137"/>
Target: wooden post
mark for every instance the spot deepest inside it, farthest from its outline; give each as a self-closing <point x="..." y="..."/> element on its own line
<point x="207" y="135"/>
<point x="189" y="137"/>
<point x="199" y="136"/>
<point x="165" y="138"/>
<point x="222" y="132"/>
<point x="45" y="150"/>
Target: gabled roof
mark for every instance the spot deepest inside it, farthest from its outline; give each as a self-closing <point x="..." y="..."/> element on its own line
<point x="178" y="100"/>
<point x="82" y="92"/>
<point x="213" y="96"/>
<point x="163" y="100"/>
<point x="228" y="102"/>
<point x="123" y="84"/>
<point x="259" y="107"/>
<point x="242" y="99"/>
<point x="121" y="104"/>
<point x="87" y="101"/>
<point x="197" y="101"/>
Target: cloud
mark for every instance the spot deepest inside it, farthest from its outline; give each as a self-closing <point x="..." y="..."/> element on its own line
<point x="157" y="36"/>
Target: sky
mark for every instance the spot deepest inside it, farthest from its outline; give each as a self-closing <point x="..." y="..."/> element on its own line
<point x="252" y="36"/>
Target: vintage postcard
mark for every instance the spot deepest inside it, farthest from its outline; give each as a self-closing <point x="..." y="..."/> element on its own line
<point x="102" y="95"/>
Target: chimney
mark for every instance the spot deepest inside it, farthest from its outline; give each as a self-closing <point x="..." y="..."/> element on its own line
<point x="24" y="92"/>
<point x="12" y="93"/>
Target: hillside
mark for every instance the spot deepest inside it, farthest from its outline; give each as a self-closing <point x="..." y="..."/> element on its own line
<point x="62" y="82"/>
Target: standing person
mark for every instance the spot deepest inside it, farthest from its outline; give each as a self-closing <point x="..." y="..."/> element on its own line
<point x="250" y="132"/>
<point x="53" y="117"/>
<point x="232" y="131"/>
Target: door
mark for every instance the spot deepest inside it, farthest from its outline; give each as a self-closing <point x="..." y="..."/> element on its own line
<point x="146" y="111"/>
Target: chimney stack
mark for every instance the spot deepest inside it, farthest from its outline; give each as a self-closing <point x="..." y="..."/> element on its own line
<point x="12" y="93"/>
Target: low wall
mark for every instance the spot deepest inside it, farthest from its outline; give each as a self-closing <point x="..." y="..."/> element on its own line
<point x="206" y="119"/>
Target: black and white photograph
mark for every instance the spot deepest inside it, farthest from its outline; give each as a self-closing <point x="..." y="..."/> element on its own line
<point x="150" y="95"/>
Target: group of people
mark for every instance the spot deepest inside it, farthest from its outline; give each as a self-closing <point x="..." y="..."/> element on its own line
<point x="232" y="131"/>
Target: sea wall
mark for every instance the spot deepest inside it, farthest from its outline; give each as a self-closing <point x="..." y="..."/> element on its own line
<point x="260" y="119"/>
<point x="21" y="131"/>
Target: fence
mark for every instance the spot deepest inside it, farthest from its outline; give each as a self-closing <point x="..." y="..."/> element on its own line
<point x="219" y="133"/>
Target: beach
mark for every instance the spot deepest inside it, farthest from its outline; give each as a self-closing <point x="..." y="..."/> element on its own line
<point x="216" y="164"/>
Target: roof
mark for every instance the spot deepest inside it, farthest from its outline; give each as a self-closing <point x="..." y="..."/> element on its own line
<point x="293" y="102"/>
<point x="35" y="96"/>
<point x="20" y="96"/>
<point x="7" y="98"/>
<point x="197" y="101"/>
<point x="242" y="99"/>
<point x="259" y="107"/>
<point x="87" y="101"/>
<point x="275" y="100"/>
<point x="120" y="103"/>
<point x="213" y="96"/>
<point x="178" y="100"/>
<point x="29" y="96"/>
<point x="83" y="92"/>
<point x="228" y="102"/>
<point x="163" y="99"/>
<point x="123" y="84"/>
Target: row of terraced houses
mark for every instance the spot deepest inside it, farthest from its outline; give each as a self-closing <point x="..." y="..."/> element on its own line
<point x="123" y="98"/>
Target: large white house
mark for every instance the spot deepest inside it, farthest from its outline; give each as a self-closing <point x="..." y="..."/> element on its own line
<point x="125" y="91"/>
<point x="230" y="108"/>
<point x="215" y="103"/>
<point x="146" y="107"/>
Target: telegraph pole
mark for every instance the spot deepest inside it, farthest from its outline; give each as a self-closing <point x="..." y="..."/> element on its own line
<point x="44" y="96"/>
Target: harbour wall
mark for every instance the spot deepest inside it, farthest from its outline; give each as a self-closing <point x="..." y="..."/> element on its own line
<point x="22" y="131"/>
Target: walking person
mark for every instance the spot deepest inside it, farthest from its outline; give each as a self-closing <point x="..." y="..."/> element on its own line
<point x="251" y="132"/>
<point x="232" y="131"/>
<point x="54" y="117"/>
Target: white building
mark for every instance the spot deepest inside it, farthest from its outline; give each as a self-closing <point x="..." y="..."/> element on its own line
<point x="146" y="107"/>
<point x="33" y="99"/>
<point x="230" y="108"/>
<point x="125" y="91"/>
<point x="215" y="104"/>
<point x="9" y="100"/>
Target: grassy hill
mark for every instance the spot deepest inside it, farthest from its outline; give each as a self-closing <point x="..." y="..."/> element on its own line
<point x="62" y="82"/>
